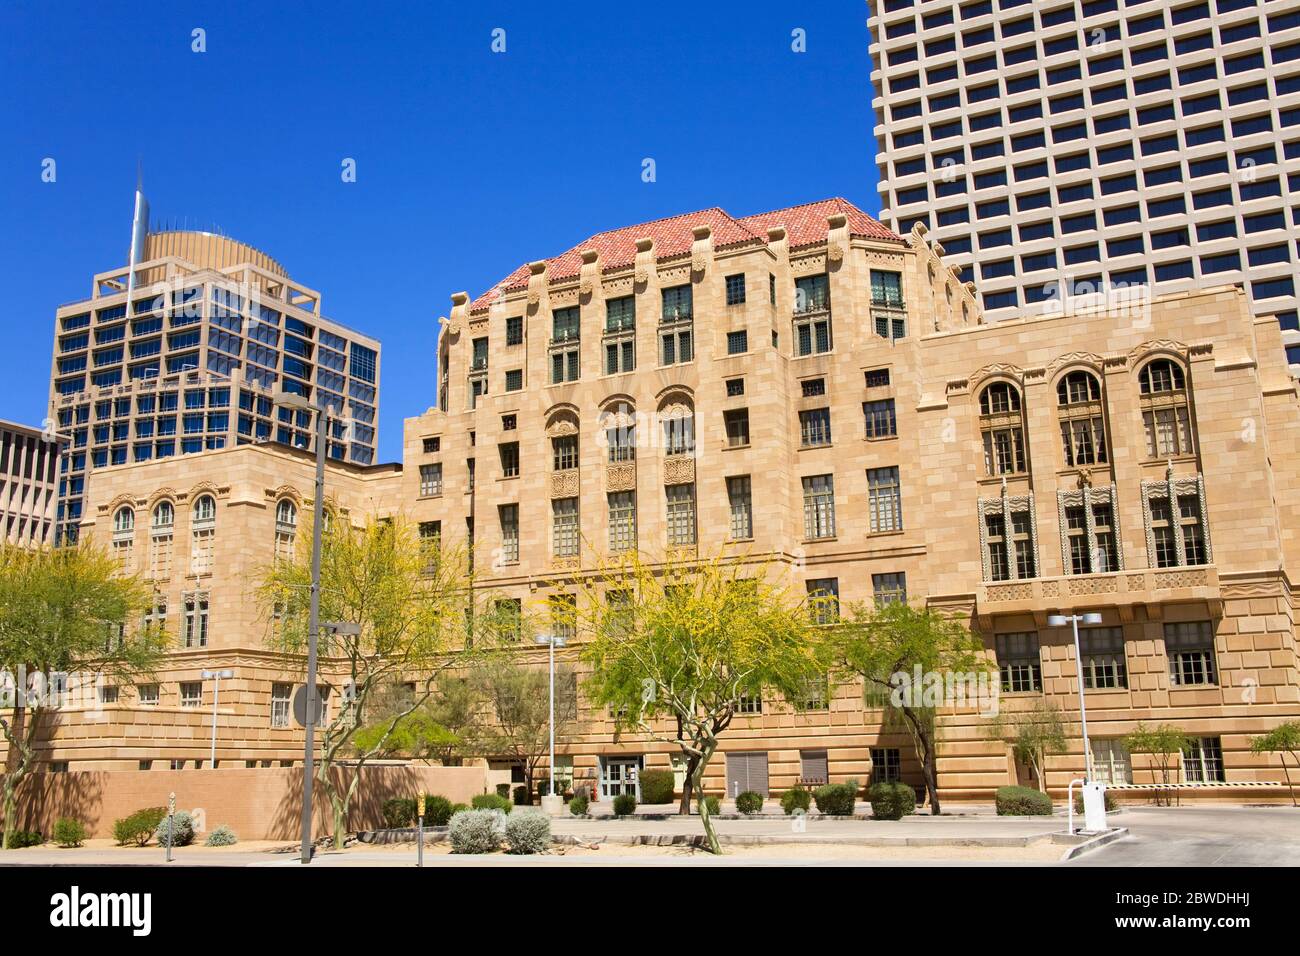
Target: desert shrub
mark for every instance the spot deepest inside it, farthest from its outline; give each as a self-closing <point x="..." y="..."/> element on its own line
<point x="891" y="801"/>
<point x="796" y="798"/>
<point x="714" y="805"/>
<point x="398" y="812"/>
<point x="1022" y="802"/>
<point x="22" y="838"/>
<point x="578" y="805"/>
<point x="437" y="811"/>
<point x="181" y="833"/>
<point x="221" y="836"/>
<point x="68" y="832"/>
<point x="503" y="791"/>
<point x="491" y="801"/>
<point x="139" y="827"/>
<point x="522" y="798"/>
<point x="477" y="831"/>
<point x="624" y="805"/>
<point x="456" y="808"/>
<point x="657" y="786"/>
<point x="836" y="799"/>
<point x="1111" y="802"/>
<point x="528" y="832"/>
<point x="749" y="802"/>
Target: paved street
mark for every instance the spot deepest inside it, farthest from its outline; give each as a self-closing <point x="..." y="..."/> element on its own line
<point x="1203" y="836"/>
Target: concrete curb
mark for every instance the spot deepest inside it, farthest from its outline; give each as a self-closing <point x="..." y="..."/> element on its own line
<point x="698" y="840"/>
<point x="1092" y="843"/>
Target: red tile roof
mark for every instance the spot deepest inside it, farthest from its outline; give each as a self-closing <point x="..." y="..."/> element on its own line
<point x="672" y="237"/>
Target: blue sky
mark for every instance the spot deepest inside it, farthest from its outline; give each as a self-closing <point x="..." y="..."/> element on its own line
<point x="468" y="162"/>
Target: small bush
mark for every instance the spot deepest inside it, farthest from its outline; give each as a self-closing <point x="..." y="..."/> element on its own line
<point x="139" y="827"/>
<point x="624" y="805"/>
<point x="528" y="832"/>
<point x="221" y="836"/>
<point x="1111" y="803"/>
<point x="437" y="811"/>
<point x="181" y="832"/>
<point x="657" y="786"/>
<point x="477" y="831"/>
<point x="398" y="812"/>
<point x="491" y="801"/>
<point x="503" y="791"/>
<point x="1022" y="802"/>
<point x="544" y="788"/>
<point x="796" y="798"/>
<point x="891" y="801"/>
<point x="522" y="797"/>
<point x="456" y="808"/>
<point x="749" y="802"/>
<point x="836" y="799"/>
<point x="714" y="805"/>
<point x="23" y="838"/>
<point x="578" y="805"/>
<point x="68" y="832"/>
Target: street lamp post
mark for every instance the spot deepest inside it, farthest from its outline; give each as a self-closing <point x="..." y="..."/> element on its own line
<point x="551" y="641"/>
<point x="216" y="677"/>
<point x="1060" y="620"/>
<point x="300" y="403"/>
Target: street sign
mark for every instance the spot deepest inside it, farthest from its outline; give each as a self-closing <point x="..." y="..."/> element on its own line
<point x="300" y="707"/>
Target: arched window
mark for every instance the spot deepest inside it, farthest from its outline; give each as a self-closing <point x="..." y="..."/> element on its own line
<point x="286" y="528"/>
<point x="164" y="517"/>
<point x="160" y="541"/>
<point x="1166" y="414"/>
<point x="286" y="514"/>
<point x="123" y="521"/>
<point x="203" y="534"/>
<point x="1002" y="429"/>
<point x="1083" y="431"/>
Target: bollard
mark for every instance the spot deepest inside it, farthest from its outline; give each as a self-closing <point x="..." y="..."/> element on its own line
<point x="419" y="831"/>
<point x="171" y="816"/>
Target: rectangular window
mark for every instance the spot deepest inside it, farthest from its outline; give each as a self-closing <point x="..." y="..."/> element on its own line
<point x="509" y="453"/>
<point x="620" y="314"/>
<point x="196" y="620"/>
<point x="736" y="289"/>
<point x="815" y="427"/>
<point x="564" y="452"/>
<point x="1190" y="649"/>
<point x="889" y="588"/>
<point x="1104" y="664"/>
<point x="886" y="289"/>
<point x="886" y="765"/>
<point x="885" y="504"/>
<point x="737" y="424"/>
<point x="679" y="436"/>
<point x="1203" y="761"/>
<point x="819" y="507"/>
<point x="509" y="518"/>
<point x="514" y="380"/>
<point x="515" y="330"/>
<point x="735" y="387"/>
<point x="564" y="527"/>
<point x="737" y="342"/>
<point x="677" y="304"/>
<point x="1111" y="763"/>
<point x="742" y="510"/>
<point x="281" y="695"/>
<point x="681" y="514"/>
<point x="147" y="694"/>
<point x="431" y="445"/>
<point x="430" y="480"/>
<point x="824" y="599"/>
<point x="880" y="419"/>
<point x="191" y="693"/>
<point x="622" y="520"/>
<point x="813" y="387"/>
<point x="1018" y="662"/>
<point x="877" y="377"/>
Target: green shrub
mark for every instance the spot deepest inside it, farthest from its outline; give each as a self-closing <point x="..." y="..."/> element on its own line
<point x="891" y="801"/>
<point x="836" y="799"/>
<point x="181" y="832"/>
<point x="68" y="832"/>
<point x="139" y="827"/>
<point x="522" y="798"/>
<point x="1111" y="802"/>
<point x="657" y="786"/>
<point x="714" y="805"/>
<point x="503" y="791"/>
<point x="398" y="812"/>
<point x="544" y="788"/>
<point x="624" y="805"/>
<point x="528" y="832"/>
<point x="749" y="802"/>
<point x="221" y="836"/>
<point x="578" y="805"/>
<point x="23" y="838"/>
<point x="476" y="831"/>
<point x="437" y="811"/>
<point x="1022" y="802"/>
<point x="456" y="808"/>
<point x="491" y="801"/>
<point x="796" y="798"/>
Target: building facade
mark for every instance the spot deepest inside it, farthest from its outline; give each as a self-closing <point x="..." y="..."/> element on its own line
<point x="29" y="462"/>
<point x="1080" y="147"/>
<point x="806" y="386"/>
<point x="214" y="329"/>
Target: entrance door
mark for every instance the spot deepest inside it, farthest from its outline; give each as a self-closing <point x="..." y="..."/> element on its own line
<point x="620" y="776"/>
<point x="747" y="772"/>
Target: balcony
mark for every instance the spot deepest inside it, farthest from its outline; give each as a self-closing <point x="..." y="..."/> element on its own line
<point x="1096" y="592"/>
<point x="677" y="315"/>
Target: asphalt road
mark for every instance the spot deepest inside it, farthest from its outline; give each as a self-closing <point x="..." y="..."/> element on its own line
<point x="1202" y="836"/>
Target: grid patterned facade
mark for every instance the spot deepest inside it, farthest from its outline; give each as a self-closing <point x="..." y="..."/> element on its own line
<point x="28" y="476"/>
<point x="193" y="362"/>
<point x="1088" y="146"/>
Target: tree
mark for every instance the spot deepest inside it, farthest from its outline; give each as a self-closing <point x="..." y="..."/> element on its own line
<point x="1161" y="743"/>
<point x="908" y="659"/>
<point x="1284" y="739"/>
<point x="675" y="647"/>
<point x="412" y="612"/>
<point x="1035" y="734"/>
<point x="67" y="611"/>
<point x="442" y="729"/>
<point x="518" y="710"/>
